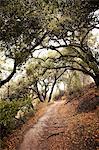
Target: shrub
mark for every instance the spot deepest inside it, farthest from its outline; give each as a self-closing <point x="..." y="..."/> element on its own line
<point x="8" y="113"/>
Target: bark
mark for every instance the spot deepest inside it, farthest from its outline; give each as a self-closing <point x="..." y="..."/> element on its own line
<point x="38" y="93"/>
<point x="50" y="96"/>
<point x="2" y="82"/>
<point x="55" y="80"/>
<point x="96" y="79"/>
<point x="45" y="91"/>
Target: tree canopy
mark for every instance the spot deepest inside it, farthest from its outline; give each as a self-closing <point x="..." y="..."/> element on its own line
<point x="61" y="26"/>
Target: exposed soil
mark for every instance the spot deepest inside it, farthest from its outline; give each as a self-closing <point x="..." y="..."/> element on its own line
<point x="13" y="140"/>
<point x="64" y="126"/>
<point x="32" y="139"/>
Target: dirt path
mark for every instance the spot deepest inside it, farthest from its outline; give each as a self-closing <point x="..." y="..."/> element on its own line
<point x="60" y="126"/>
<point x="35" y="138"/>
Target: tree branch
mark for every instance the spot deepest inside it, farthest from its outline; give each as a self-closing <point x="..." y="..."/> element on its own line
<point x="2" y="82"/>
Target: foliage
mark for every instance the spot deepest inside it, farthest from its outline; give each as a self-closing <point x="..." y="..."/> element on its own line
<point x="8" y="113"/>
<point x="75" y="20"/>
<point x="43" y="80"/>
<point x="74" y="82"/>
<point x="24" y="25"/>
<point x="21" y="30"/>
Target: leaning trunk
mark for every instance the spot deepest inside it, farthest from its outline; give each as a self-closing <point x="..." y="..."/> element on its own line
<point x="50" y="96"/>
<point x="96" y="79"/>
<point x="38" y="93"/>
<point x="10" y="76"/>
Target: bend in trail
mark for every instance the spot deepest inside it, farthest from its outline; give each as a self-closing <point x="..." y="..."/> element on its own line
<point x="34" y="137"/>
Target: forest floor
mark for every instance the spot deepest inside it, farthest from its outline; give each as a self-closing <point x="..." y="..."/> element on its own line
<point x="63" y="125"/>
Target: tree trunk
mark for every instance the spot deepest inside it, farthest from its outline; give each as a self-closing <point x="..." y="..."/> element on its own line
<point x="38" y="93"/>
<point x="50" y="96"/>
<point x="96" y="79"/>
<point x="10" y="76"/>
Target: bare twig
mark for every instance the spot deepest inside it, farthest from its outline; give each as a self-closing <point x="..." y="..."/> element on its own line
<point x="55" y="134"/>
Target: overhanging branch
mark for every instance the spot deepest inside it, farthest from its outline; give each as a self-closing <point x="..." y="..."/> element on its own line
<point x="2" y="82"/>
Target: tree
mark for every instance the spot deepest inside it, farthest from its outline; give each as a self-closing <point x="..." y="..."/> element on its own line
<point x="21" y="31"/>
<point x="68" y="24"/>
<point x="42" y="80"/>
<point x="73" y="24"/>
<point x="34" y="73"/>
<point x="57" y="76"/>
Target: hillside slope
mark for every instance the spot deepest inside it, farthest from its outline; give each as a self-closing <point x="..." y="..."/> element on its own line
<point x="72" y="125"/>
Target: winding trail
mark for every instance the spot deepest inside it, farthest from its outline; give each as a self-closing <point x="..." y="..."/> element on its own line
<point x="35" y="136"/>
